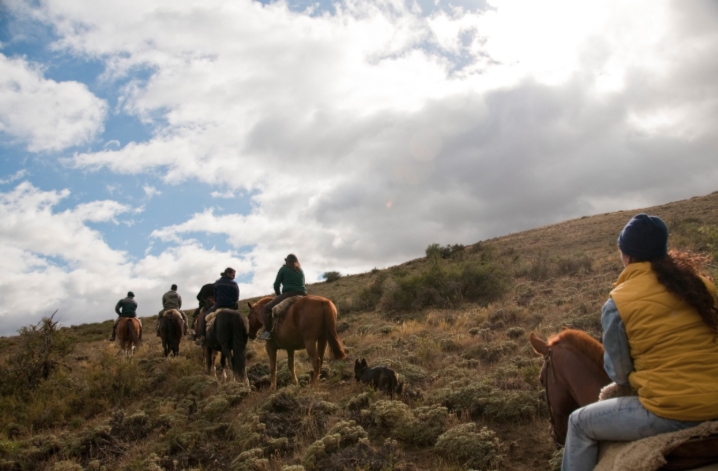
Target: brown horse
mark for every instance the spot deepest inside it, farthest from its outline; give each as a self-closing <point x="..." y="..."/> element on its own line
<point x="572" y="375"/>
<point x="128" y="334"/>
<point x="310" y="323"/>
<point x="195" y="328"/>
<point x="171" y="330"/>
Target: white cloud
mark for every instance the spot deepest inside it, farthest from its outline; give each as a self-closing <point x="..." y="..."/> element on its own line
<point x="229" y="194"/>
<point x="54" y="260"/>
<point x="44" y="114"/>
<point x="151" y="191"/>
<point x="17" y="176"/>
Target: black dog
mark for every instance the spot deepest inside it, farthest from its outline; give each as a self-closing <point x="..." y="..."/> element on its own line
<point x="379" y="377"/>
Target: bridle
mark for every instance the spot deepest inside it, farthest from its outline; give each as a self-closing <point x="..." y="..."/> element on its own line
<point x="551" y="372"/>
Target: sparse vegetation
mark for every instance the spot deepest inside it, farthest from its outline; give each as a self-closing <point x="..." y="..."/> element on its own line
<point x="453" y="327"/>
<point x="437" y="251"/>
<point x="330" y="276"/>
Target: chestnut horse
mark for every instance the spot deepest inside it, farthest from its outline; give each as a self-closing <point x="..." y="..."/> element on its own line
<point x="171" y="329"/>
<point x="572" y="375"/>
<point x="128" y="334"/>
<point x="310" y="323"/>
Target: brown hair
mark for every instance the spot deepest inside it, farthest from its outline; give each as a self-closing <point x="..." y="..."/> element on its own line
<point x="227" y="271"/>
<point x="293" y="262"/>
<point x="679" y="273"/>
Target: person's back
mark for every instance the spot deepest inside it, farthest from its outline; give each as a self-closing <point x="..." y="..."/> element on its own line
<point x="171" y="300"/>
<point x="125" y="307"/>
<point x="291" y="278"/>
<point x="226" y="292"/>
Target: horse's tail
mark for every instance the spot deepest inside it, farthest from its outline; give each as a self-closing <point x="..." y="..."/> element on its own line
<point x="330" y="330"/>
<point x="240" y="336"/>
<point x="178" y="327"/>
<point x="134" y="331"/>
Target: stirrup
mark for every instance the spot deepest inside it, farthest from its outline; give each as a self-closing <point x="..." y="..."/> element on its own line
<point x="265" y="335"/>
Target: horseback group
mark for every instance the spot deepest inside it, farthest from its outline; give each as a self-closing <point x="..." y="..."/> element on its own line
<point x="291" y="320"/>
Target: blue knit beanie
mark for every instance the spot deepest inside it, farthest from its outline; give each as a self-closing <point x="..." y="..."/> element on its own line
<point x="644" y="237"/>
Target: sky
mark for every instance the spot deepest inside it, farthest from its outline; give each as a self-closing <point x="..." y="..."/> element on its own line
<point x="151" y="142"/>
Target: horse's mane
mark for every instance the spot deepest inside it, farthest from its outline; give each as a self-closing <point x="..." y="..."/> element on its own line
<point x="580" y="341"/>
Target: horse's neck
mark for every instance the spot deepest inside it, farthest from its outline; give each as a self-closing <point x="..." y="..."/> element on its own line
<point x="582" y="375"/>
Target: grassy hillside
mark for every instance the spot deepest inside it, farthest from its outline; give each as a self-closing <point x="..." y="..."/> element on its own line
<point x="454" y="328"/>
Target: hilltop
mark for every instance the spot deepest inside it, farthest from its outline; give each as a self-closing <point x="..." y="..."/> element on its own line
<point x="453" y="325"/>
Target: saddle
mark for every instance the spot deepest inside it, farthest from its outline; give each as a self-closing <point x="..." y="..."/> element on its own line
<point x="280" y="309"/>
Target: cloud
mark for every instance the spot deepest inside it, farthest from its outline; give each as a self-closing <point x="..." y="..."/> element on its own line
<point x="53" y="259"/>
<point x="43" y="114"/>
<point x="229" y="194"/>
<point x="151" y="191"/>
<point x="17" y="176"/>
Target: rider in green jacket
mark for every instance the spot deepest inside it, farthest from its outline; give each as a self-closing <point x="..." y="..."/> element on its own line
<point x="291" y="278"/>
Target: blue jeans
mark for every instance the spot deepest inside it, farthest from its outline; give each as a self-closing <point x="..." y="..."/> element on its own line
<point x="620" y="419"/>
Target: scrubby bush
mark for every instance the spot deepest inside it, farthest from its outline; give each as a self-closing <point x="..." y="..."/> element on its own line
<point x="481" y="400"/>
<point x="437" y="251"/>
<point x="370" y="296"/>
<point x="490" y="353"/>
<point x="331" y="276"/>
<point x="418" y="427"/>
<point x="556" y="460"/>
<point x="445" y="286"/>
<point x="342" y="435"/>
<point x="467" y="446"/>
<point x="574" y="264"/>
<point x="515" y="332"/>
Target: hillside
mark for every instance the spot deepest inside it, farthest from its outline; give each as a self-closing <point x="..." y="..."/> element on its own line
<point x="454" y="326"/>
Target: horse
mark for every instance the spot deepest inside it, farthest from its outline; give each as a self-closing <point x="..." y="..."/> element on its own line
<point x="572" y="375"/>
<point x="310" y="323"/>
<point x="128" y="334"/>
<point x="171" y="330"/>
<point x="228" y="336"/>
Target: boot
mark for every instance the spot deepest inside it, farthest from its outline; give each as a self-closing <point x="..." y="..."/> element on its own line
<point x="265" y="335"/>
<point x="112" y="339"/>
<point x="140" y="333"/>
<point x="158" y="329"/>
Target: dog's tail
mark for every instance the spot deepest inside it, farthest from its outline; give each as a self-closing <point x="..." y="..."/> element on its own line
<point x="330" y="329"/>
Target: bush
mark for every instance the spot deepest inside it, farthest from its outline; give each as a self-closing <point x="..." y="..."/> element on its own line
<point x="445" y="287"/>
<point x="342" y="435"/>
<point x="575" y="264"/>
<point x="419" y="427"/>
<point x="437" y="251"/>
<point x="515" y="332"/>
<point x="331" y="276"/>
<point x="466" y="446"/>
<point x="370" y="296"/>
<point x="483" y="401"/>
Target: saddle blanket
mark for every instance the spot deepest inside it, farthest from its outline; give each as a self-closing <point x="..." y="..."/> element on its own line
<point x="649" y="453"/>
<point x="212" y="316"/>
<point x="280" y="309"/>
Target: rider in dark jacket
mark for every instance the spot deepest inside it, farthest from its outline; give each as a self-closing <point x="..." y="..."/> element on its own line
<point x="125" y="307"/>
<point x="226" y="295"/>
<point x="291" y="278"/>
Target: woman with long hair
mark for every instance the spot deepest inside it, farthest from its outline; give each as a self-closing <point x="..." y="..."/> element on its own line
<point x="660" y="328"/>
<point x="291" y="278"/>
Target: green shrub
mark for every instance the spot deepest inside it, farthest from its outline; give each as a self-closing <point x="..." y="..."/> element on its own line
<point x="481" y="400"/>
<point x="342" y="435"/>
<point x="490" y="353"/>
<point x="556" y="460"/>
<point x="437" y="251"/>
<point x="466" y="446"/>
<point x="370" y="296"/>
<point x="445" y="287"/>
<point x="331" y="276"/>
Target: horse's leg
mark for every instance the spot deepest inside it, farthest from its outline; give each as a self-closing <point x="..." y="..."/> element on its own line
<point x="290" y="364"/>
<point x="272" y="354"/>
<point x="321" y="350"/>
<point x="316" y="363"/>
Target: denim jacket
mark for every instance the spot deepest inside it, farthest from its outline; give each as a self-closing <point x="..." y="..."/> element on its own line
<point x="617" y="359"/>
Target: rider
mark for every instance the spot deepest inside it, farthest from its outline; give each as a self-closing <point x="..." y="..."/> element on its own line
<point x="126" y="307"/>
<point x="171" y="300"/>
<point x="226" y="295"/>
<point x="206" y="301"/>
<point x="660" y="329"/>
<point x="291" y="278"/>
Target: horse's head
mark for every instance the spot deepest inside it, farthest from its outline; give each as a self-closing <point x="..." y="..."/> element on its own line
<point x="555" y="391"/>
<point x="256" y="318"/>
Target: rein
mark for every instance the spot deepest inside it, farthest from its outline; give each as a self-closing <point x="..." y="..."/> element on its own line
<point x="551" y="372"/>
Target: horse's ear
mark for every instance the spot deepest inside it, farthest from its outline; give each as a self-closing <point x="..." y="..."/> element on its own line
<point x="539" y="345"/>
<point x="250" y="305"/>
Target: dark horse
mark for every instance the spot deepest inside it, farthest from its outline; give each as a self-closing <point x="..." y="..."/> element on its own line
<point x="310" y="323"/>
<point x="128" y="334"/>
<point x="572" y="375"/>
<point x="228" y="336"/>
<point x="171" y="329"/>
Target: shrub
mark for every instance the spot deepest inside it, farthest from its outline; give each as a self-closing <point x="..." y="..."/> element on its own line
<point x="575" y="264"/>
<point x="331" y="276"/>
<point x="437" y="251"/>
<point x="515" y="332"/>
<point x="556" y="460"/>
<point x="419" y="427"/>
<point x="466" y="446"/>
<point x="490" y="353"/>
<point x="483" y="401"/>
<point x="342" y="435"/>
<point x="445" y="286"/>
<point x="370" y="296"/>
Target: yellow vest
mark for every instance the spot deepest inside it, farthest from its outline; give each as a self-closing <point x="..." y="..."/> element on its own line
<point x="674" y="353"/>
